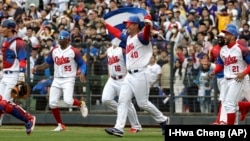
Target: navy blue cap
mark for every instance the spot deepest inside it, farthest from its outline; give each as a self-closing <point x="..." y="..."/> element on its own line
<point x="9" y="24"/>
<point x="63" y="35"/>
<point x="133" y="19"/>
<point x="231" y="29"/>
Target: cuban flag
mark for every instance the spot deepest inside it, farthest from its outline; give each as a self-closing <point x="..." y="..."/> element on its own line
<point x="116" y="18"/>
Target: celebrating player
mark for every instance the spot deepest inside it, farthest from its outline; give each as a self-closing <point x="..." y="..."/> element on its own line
<point x="14" y="60"/>
<point x="66" y="60"/>
<point x="234" y="60"/>
<point x="20" y="90"/>
<point x="136" y="82"/>
<point x="117" y="71"/>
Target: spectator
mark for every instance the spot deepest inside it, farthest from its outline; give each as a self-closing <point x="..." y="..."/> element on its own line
<point x="195" y="7"/>
<point x="223" y="19"/>
<point x="169" y="25"/>
<point x="175" y="36"/>
<point x="5" y="12"/>
<point x="21" y="29"/>
<point x="163" y="58"/>
<point x="178" y="85"/>
<point x="33" y="58"/>
<point x="191" y="72"/>
<point x="206" y="45"/>
<point x="156" y="52"/>
<point x="246" y="32"/>
<point x="206" y="19"/>
<point x="18" y="10"/>
<point x="180" y="18"/>
<point x="76" y="37"/>
<point x="212" y="8"/>
<point x="30" y="36"/>
<point x="155" y="71"/>
<point x="93" y="54"/>
<point x="33" y="12"/>
<point x="204" y="83"/>
<point x="102" y="61"/>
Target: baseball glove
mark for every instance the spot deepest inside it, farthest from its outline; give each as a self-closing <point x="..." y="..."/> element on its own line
<point x="20" y="91"/>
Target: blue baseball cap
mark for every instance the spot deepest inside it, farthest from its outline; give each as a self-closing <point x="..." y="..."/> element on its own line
<point x="133" y="19"/>
<point x="63" y="35"/>
<point x="9" y="24"/>
<point x="231" y="29"/>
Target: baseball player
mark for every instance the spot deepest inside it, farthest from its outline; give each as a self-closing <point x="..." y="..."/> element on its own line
<point x="14" y="60"/>
<point x="17" y="111"/>
<point x="136" y="82"/>
<point x="234" y="60"/>
<point x="66" y="60"/>
<point x="214" y="54"/>
<point x="117" y="71"/>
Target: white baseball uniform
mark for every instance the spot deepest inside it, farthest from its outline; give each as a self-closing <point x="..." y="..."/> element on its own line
<point x="65" y="63"/>
<point x="136" y="82"/>
<point x="117" y="72"/>
<point x="14" y="59"/>
<point x="235" y="59"/>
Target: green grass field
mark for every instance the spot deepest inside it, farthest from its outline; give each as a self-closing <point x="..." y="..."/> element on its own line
<point x="73" y="133"/>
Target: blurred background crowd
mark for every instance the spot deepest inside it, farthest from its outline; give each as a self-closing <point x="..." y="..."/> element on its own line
<point x="193" y="25"/>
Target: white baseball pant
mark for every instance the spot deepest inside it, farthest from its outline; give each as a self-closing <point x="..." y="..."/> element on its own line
<point x="111" y="89"/>
<point x="59" y="87"/>
<point x="136" y="85"/>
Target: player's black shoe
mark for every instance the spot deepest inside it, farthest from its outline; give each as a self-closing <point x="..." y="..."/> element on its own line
<point x="114" y="131"/>
<point x="163" y="125"/>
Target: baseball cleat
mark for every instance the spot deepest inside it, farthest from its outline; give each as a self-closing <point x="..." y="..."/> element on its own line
<point x="60" y="127"/>
<point x="163" y="125"/>
<point x="30" y="125"/>
<point x="84" y="109"/>
<point x="114" y="131"/>
<point x="134" y="130"/>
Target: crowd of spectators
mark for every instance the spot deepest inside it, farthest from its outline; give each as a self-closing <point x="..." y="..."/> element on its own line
<point x="192" y="24"/>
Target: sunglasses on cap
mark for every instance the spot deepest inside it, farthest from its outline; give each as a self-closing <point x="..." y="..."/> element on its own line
<point x="62" y="37"/>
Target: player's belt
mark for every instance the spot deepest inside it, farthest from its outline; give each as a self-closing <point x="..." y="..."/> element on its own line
<point x="117" y="77"/>
<point x="135" y="70"/>
<point x="229" y="78"/>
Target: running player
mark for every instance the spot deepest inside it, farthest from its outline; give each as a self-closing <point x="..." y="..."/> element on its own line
<point x="66" y="60"/>
<point x="136" y="82"/>
<point x="14" y="60"/>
